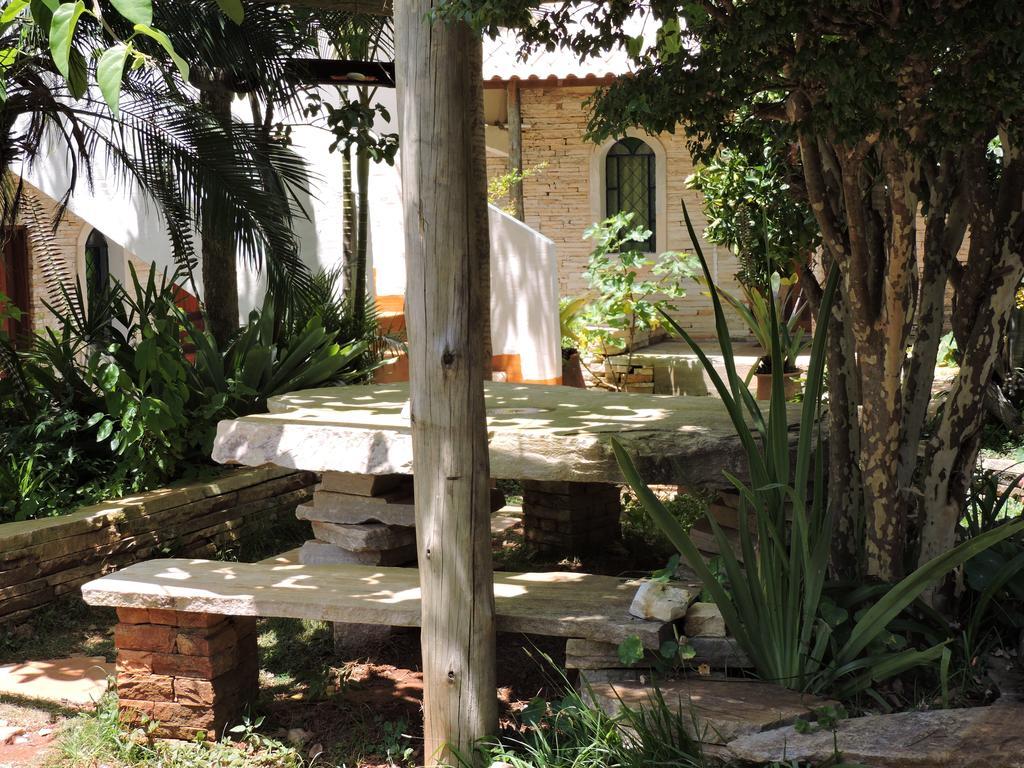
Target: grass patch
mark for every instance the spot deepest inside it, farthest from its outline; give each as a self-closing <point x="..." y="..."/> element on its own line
<point x="65" y="627"/>
<point x="571" y="733"/>
<point x="98" y="738"/>
<point x="297" y="656"/>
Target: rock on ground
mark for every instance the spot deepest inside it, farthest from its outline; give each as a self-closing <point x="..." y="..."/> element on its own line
<point x="978" y="737"/>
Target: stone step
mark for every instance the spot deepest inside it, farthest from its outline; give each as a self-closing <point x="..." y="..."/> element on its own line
<point x="715" y="711"/>
<point x="950" y="738"/>
<point x="395" y="508"/>
<point x="322" y="553"/>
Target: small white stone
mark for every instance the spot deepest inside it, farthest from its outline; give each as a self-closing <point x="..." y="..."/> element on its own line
<point x="661" y="601"/>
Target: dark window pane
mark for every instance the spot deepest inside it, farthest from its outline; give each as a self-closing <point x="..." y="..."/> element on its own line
<point x="629" y="183"/>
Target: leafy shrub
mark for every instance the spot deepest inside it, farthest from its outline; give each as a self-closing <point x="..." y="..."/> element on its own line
<point x="629" y="285"/>
<point x="991" y="604"/>
<point x="125" y="393"/>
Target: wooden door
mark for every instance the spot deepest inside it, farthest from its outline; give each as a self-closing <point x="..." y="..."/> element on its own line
<point x="14" y="281"/>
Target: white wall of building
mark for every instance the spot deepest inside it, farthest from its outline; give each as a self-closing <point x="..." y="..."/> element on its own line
<point x="524" y="300"/>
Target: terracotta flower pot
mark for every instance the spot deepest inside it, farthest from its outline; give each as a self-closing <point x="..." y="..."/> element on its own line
<point x="764" y="385"/>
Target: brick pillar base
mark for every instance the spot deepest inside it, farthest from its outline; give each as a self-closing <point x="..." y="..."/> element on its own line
<point x="189" y="672"/>
<point x="571" y="517"/>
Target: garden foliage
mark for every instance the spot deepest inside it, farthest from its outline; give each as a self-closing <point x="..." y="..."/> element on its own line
<point x="125" y="393"/>
<point x="775" y="603"/>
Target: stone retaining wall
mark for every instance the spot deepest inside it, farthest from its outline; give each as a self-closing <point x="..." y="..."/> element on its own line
<point x="40" y="560"/>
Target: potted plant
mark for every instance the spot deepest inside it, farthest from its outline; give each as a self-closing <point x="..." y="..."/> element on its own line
<point x="630" y="287"/>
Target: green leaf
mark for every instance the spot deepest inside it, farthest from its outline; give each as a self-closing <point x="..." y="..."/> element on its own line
<point x="109" y="71"/>
<point x="165" y="43"/>
<point x="12" y="10"/>
<point x="78" y="74"/>
<point x="109" y="376"/>
<point x="136" y="11"/>
<point x="62" y="32"/>
<point x="631" y="650"/>
<point x="104" y="431"/>
<point x="876" y="618"/>
<point x="232" y="9"/>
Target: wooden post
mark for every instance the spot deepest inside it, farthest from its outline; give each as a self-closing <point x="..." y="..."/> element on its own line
<point x="445" y="207"/>
<point x="515" y="147"/>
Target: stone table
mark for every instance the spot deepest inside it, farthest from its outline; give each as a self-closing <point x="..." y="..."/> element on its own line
<point x="555" y="439"/>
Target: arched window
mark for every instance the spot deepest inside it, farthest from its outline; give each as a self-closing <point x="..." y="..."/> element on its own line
<point x="97" y="267"/>
<point x="630" y="184"/>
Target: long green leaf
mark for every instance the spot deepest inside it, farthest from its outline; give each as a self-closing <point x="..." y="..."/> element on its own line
<point x="165" y="43"/>
<point x="876" y="619"/>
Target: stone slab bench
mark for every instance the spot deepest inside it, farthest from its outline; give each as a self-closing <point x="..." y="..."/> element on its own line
<point x="186" y="637"/>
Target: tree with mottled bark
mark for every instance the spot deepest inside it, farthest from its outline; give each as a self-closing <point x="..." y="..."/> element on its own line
<point x="906" y="118"/>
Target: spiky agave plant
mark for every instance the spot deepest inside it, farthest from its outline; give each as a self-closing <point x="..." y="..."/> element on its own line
<point x="773" y="602"/>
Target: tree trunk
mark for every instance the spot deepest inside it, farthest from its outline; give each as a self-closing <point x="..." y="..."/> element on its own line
<point x="515" y="149"/>
<point x="220" y="267"/>
<point x="348" y="215"/>
<point x="445" y="208"/>
<point x="362" y="223"/>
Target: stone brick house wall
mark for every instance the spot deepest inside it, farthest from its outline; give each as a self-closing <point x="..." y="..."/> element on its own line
<point x="64" y="254"/>
<point x="567" y="195"/>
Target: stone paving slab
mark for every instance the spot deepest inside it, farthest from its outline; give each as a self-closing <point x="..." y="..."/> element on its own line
<point x="720" y="710"/>
<point x="535" y="432"/>
<point x="78" y="681"/>
<point x="554" y="604"/>
<point x="978" y="737"/>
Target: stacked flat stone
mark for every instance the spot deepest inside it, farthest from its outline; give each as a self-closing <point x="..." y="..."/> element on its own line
<point x="564" y="517"/>
<point x="630" y="378"/>
<point x="701" y="627"/>
<point x="188" y="673"/>
<point x="361" y="520"/>
<point x="41" y="560"/>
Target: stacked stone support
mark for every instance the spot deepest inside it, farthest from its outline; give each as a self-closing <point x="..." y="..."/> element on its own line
<point x="362" y="520"/>
<point x="702" y="629"/>
<point x="188" y="673"/>
<point x="570" y="518"/>
<point x="629" y="377"/>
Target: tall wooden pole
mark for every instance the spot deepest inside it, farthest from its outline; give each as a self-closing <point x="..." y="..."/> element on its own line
<point x="445" y="206"/>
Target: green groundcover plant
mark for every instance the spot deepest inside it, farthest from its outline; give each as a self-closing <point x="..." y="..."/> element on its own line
<point x="775" y="603"/>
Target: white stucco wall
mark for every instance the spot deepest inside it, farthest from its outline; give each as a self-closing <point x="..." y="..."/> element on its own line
<point x="524" y="300"/>
<point x="133" y="226"/>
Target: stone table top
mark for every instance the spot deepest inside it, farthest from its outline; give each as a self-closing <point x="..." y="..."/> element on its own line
<point x="535" y="432"/>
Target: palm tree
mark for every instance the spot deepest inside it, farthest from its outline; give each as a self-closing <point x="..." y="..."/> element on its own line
<point x="204" y="174"/>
